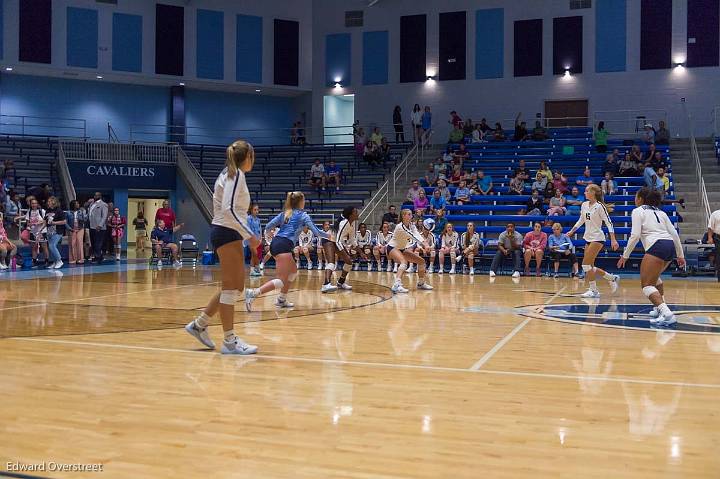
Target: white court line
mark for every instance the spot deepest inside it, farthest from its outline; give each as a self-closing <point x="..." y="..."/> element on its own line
<point x="32" y="305"/>
<point x="486" y="357"/>
<point x="554" y="296"/>
<point x="374" y="364"/>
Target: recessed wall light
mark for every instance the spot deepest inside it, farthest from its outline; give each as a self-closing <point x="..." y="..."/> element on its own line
<point x="257" y="90"/>
<point x="99" y="77"/>
<point x="8" y="69"/>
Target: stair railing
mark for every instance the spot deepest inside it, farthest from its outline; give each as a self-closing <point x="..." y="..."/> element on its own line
<point x="702" y="190"/>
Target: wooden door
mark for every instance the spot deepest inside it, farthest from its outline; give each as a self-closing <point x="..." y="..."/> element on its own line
<point x="566" y="113"/>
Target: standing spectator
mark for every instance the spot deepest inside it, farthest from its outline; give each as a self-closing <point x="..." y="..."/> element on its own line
<point x="416" y="122"/>
<point x="521" y="132"/>
<point x="455" y="119"/>
<point x="560" y="182"/>
<point x="317" y="176"/>
<point x="41" y="193"/>
<point x="7" y="248"/>
<point x="117" y="225"/>
<point x="360" y="140"/>
<point x="333" y="175"/>
<point x="293" y="134"/>
<point x="610" y="165"/>
<point x="56" y="222"/>
<point x="391" y="217"/>
<point x="484" y="183"/>
<point x="97" y="219"/>
<point x="516" y="186"/>
<point x="561" y="246"/>
<point x="608" y="185"/>
<point x="573" y="202"/>
<point x="12" y="207"/>
<point x="534" y="245"/>
<point x="649" y="135"/>
<point x="535" y="205"/>
<point x="398" y="125"/>
<point x="662" y="137"/>
<point x="77" y="222"/>
<point x="166" y="214"/>
<point x="462" y="194"/>
<point x="414" y="192"/>
<point x="377" y="136"/>
<point x="601" y="138"/>
<point x="300" y="134"/>
<point x="108" y="243"/>
<point x="509" y="244"/>
<point x="140" y="224"/>
<point x="426" y="122"/>
<point x="585" y="179"/>
<point x="37" y="229"/>
<point x="713" y="234"/>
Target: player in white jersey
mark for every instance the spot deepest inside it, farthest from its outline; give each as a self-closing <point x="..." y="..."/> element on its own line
<point x="449" y="242"/>
<point x="345" y="231"/>
<point x="382" y="238"/>
<point x="267" y="239"/>
<point x="363" y="249"/>
<point x="229" y="227"/>
<point x="398" y="249"/>
<point x="593" y="214"/>
<point x="662" y="244"/>
<point x="470" y="245"/>
<point x="428" y="253"/>
<point x="320" y="245"/>
<point x="304" y="246"/>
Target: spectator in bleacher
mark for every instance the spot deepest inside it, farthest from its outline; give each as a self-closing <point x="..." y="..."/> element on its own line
<point x="398" y="124"/>
<point x="97" y="220"/>
<point x="371" y="155"/>
<point x="534" y="245"/>
<point x="610" y="165"/>
<point x="426" y="121"/>
<point x="637" y="156"/>
<point x="484" y="127"/>
<point x="56" y="221"/>
<point x="477" y="135"/>
<point x="557" y="204"/>
<point x="456" y="135"/>
<point x="462" y="194"/>
<point x="509" y="245"/>
<point x="162" y="237"/>
<point x="432" y="174"/>
<point x="301" y="140"/>
<point x="585" y="179"/>
<point x="560" y="182"/>
<point x="663" y="177"/>
<point x="7" y="248"/>
<point x="662" y="136"/>
<point x="391" y="217"/>
<point x="416" y="122"/>
<point x="521" y="132"/>
<point x="539" y="133"/>
<point x="457" y="175"/>
<point x="165" y="213"/>
<point x="601" y="137"/>
<point x="41" y="193"/>
<point x="76" y="223"/>
<point x="649" y="135"/>
<point x="535" y="205"/>
<point x="608" y="185"/>
<point x="516" y="186"/>
<point x="484" y="183"/>
<point x="333" y="175"/>
<point x="548" y="193"/>
<point x="522" y="171"/>
<point x="449" y="244"/>
<point x="545" y="170"/>
<point x="455" y="119"/>
<point x="573" y="202"/>
<point x="468" y="127"/>
<point x="498" y="133"/>
<point x="384" y="151"/>
<point x="657" y="160"/>
<point x="470" y="246"/>
<point x="421" y="202"/>
<point x="413" y="192"/>
<point x="461" y="155"/>
<point x="437" y="202"/>
<point x="651" y="178"/>
<point x="376" y="136"/>
<point x="628" y="166"/>
<point x="650" y="153"/>
<point x="360" y="140"/>
<point x="317" y="176"/>
<point x="540" y="182"/>
<point x="561" y="246"/>
<point x="444" y="190"/>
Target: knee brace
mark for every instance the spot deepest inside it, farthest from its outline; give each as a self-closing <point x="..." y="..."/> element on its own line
<point x="292" y="276"/>
<point x="650" y="290"/>
<point x="402" y="268"/>
<point x="277" y="283"/>
<point x="347" y="267"/>
<point x="330" y="266"/>
<point x="587" y="268"/>
<point x="659" y="282"/>
<point x="228" y="296"/>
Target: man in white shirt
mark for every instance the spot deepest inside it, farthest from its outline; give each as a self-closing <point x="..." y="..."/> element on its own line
<point x="317" y="175"/>
<point x="713" y="234"/>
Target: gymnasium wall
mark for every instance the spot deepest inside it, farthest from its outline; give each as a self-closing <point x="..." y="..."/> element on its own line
<point x="604" y="44"/>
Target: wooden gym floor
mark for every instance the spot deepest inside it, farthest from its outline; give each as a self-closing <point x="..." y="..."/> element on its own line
<point x="452" y="383"/>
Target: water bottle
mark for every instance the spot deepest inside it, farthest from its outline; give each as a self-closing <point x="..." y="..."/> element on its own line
<point x="13" y="264"/>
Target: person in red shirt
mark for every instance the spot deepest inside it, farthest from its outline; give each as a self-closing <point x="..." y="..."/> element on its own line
<point x="455" y="119"/>
<point x="166" y="214"/>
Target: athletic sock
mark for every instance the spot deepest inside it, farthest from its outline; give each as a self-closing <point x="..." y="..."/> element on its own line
<point x="230" y="336"/>
<point x="664" y="310"/>
<point x="282" y="297"/>
<point x="593" y="286"/>
<point x="609" y="276"/>
<point x="202" y="320"/>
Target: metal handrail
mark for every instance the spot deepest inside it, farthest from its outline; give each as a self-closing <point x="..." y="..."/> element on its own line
<point x="381" y="196"/>
<point x="34" y="125"/>
<point x="66" y="182"/>
<point x="199" y="189"/>
<point x="119" y="152"/>
<point x="702" y="189"/>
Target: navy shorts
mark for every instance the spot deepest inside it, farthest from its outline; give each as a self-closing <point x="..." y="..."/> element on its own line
<point x="220" y="236"/>
<point x="663" y="249"/>
<point x="280" y="245"/>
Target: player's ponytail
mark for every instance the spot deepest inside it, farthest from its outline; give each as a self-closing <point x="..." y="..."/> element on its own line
<point x="292" y="202"/>
<point x="237" y="154"/>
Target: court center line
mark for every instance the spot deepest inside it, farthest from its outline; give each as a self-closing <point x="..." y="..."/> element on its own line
<point x="375" y="364"/>
<point x="498" y="346"/>
<point x="554" y="296"/>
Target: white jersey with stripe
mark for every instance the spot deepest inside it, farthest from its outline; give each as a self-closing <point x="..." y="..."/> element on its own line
<point x="593" y="217"/>
<point x="449" y="241"/>
<point x="346" y="235"/>
<point x="363" y="241"/>
<point x="430" y="240"/>
<point x="474" y="240"/>
<point x="649" y="225"/>
<point x="306" y="239"/>
<point x="405" y="236"/>
<point x="231" y="200"/>
<point x="382" y="239"/>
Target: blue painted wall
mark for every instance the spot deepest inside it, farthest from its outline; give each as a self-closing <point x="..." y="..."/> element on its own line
<point x="249" y="49"/>
<point x="489" y="43"/>
<point x="210" y="51"/>
<point x="210" y="114"/>
<point x="610" y="35"/>
<point x="127" y="43"/>
<point x="375" y="58"/>
<point x="82" y="37"/>
<point x="338" y="59"/>
<point x="2" y="30"/>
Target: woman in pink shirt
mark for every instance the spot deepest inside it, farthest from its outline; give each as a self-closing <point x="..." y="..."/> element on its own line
<point x="534" y="245"/>
<point x="421" y="202"/>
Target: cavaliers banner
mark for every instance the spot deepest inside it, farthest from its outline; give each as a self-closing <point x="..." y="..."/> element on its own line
<point x="134" y="176"/>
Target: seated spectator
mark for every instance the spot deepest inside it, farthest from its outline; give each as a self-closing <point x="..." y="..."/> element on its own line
<point x="484" y="127"/>
<point x="421" y="201"/>
<point x="471" y="180"/>
<point x="650" y="153"/>
<point x="649" y="135"/>
<point x="657" y="161"/>
<point x="560" y="182"/>
<point x="162" y="237"/>
<point x="545" y="170"/>
<point x="457" y="175"/>
<point x="548" y="193"/>
<point x="431" y="176"/>
<point x="437" y="202"/>
<point x="333" y="175"/>
<point x="637" y="155"/>
<point x="534" y="245"/>
<point x="629" y="167"/>
<point x="499" y="133"/>
<point x="461" y="155"/>
<point x="12" y="207"/>
<point x="414" y="192"/>
<point x="573" y="202"/>
<point x="470" y="243"/>
<point x="7" y="248"/>
<point x="317" y="175"/>
<point x="535" y="205"/>
<point x="521" y="132"/>
<point x="456" y="135"/>
<point x="516" y="186"/>
<point x="652" y="180"/>
<point x="662" y="136"/>
<point x="477" y="135"/>
<point x="509" y="245"/>
<point x="610" y="165"/>
<point x="462" y="194"/>
<point x="585" y="179"/>
<point x="377" y="136"/>
<point x="484" y="183"/>
<point x="371" y="154"/>
<point x="663" y="177"/>
<point x="468" y="127"/>
<point x="539" y="133"/>
<point x="391" y="217"/>
<point x="557" y="205"/>
<point x="444" y="190"/>
<point x="601" y="137"/>
<point x="447" y="157"/>
<point x="608" y="184"/>
<point x="540" y="182"/>
<point x="384" y="151"/>
<point x="522" y="171"/>
<point x="449" y="244"/>
<point x="561" y="246"/>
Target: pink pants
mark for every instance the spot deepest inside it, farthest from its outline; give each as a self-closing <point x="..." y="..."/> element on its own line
<point x="77" y="252"/>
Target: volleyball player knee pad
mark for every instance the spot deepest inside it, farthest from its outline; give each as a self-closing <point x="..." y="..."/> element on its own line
<point x="292" y="276"/>
<point x="330" y="266"/>
<point x="402" y="268"/>
<point x="347" y="267"/>
<point x="650" y="290"/>
<point x="277" y="283"/>
<point x="587" y="267"/>
<point x="228" y="296"/>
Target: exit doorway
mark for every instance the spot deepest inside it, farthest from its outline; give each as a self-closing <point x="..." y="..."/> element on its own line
<point x="559" y="113"/>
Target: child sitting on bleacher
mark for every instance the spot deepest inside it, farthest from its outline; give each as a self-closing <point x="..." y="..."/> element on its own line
<point x="516" y="186"/>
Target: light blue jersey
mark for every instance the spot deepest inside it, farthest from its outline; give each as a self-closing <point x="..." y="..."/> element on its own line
<point x="291" y="230"/>
<point x="254" y="225"/>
